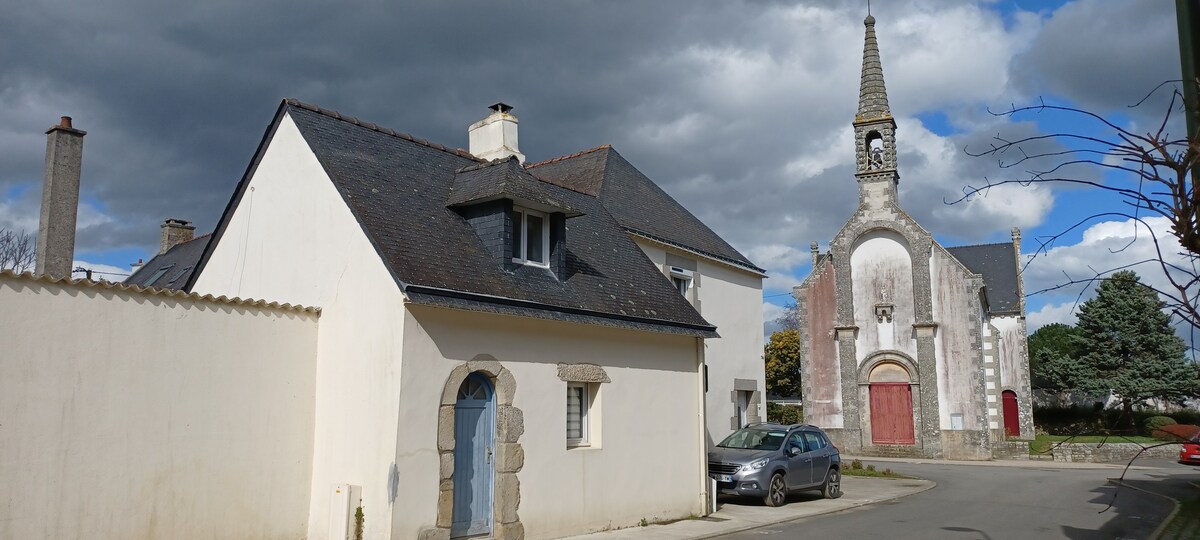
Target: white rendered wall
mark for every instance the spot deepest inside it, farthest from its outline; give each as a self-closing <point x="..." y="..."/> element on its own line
<point x="881" y="266"/>
<point x="731" y="299"/>
<point x="292" y="238"/>
<point x="960" y="375"/>
<point x="649" y="463"/>
<point x="132" y="415"/>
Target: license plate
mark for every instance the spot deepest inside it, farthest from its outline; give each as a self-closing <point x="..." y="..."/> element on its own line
<point x="722" y="477"/>
<point x="1194" y="456"/>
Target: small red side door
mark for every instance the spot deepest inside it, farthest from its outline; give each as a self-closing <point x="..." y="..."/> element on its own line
<point x="1012" y="425"/>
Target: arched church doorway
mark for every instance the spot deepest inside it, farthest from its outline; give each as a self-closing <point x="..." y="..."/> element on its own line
<point x="1012" y="425"/>
<point x="891" y="405"/>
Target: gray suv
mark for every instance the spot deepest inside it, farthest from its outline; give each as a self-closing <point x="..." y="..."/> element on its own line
<point x="770" y="460"/>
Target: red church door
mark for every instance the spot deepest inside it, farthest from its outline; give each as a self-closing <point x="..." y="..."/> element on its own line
<point x="1012" y="426"/>
<point x="891" y="413"/>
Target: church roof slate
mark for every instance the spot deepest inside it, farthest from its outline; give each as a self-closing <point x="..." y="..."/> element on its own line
<point x="997" y="263"/>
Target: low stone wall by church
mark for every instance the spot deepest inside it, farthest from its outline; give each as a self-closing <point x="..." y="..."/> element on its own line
<point x="1110" y="452"/>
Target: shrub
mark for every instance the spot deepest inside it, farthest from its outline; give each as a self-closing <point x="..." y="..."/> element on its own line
<point x="856" y="464"/>
<point x="784" y="414"/>
<point x="1176" y="432"/>
<point x="871" y="468"/>
<point x="1155" y="422"/>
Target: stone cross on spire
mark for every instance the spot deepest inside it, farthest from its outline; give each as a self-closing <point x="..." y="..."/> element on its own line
<point x="872" y="95"/>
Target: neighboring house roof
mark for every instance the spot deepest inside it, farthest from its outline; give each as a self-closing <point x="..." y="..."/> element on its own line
<point x="638" y="204"/>
<point x="401" y="189"/>
<point x="173" y="269"/>
<point x="998" y="265"/>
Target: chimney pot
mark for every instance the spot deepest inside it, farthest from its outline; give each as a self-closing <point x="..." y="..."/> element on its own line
<point x="64" y="122"/>
<point x="495" y="137"/>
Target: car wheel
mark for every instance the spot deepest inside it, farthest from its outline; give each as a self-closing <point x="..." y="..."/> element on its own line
<point x="833" y="485"/>
<point x="776" y="492"/>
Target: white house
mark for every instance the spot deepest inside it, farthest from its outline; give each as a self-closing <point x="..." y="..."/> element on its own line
<point x="497" y="342"/>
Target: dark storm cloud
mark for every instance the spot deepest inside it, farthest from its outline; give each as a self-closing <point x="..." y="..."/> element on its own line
<point x="1106" y="55"/>
<point x="740" y="110"/>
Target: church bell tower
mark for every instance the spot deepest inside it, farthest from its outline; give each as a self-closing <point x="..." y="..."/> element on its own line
<point x="874" y="130"/>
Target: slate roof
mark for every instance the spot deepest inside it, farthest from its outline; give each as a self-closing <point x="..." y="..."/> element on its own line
<point x="638" y="204"/>
<point x="179" y="263"/>
<point x="998" y="265"/>
<point x="505" y="179"/>
<point x="400" y="190"/>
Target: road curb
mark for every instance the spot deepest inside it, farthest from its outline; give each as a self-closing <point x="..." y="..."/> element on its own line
<point x="1161" y="526"/>
<point x="931" y="485"/>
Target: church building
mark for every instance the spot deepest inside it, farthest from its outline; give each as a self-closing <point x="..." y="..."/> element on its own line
<point x="910" y="348"/>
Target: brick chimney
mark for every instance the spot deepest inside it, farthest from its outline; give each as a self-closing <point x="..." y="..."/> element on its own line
<point x="60" y="200"/>
<point x="175" y="232"/>
<point x="495" y="137"/>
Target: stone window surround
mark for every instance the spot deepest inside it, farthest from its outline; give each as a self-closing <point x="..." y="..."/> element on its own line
<point x="590" y="376"/>
<point x="509" y="455"/>
<point x="752" y="414"/>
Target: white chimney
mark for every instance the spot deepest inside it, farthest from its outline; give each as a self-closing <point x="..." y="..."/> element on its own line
<point x="495" y="137"/>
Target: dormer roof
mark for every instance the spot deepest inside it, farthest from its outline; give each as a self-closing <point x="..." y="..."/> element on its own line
<point x="506" y="179"/>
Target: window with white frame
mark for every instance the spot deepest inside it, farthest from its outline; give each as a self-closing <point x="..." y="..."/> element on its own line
<point x="531" y="237"/>
<point x="578" y="402"/>
<point x="681" y="279"/>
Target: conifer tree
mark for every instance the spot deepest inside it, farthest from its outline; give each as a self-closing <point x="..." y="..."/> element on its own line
<point x="1127" y="345"/>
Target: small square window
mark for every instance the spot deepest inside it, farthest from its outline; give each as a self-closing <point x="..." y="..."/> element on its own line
<point x="531" y="237"/>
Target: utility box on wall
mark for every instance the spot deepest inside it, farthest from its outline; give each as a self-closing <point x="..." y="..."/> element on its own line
<point x="344" y="503"/>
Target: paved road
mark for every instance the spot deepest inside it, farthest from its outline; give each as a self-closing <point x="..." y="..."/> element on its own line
<point x="993" y="503"/>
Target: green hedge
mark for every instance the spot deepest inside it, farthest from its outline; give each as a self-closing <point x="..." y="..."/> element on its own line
<point x="1087" y="420"/>
<point x="784" y="414"/>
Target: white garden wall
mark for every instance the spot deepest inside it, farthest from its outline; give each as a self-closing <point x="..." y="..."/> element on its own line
<point x="129" y="414"/>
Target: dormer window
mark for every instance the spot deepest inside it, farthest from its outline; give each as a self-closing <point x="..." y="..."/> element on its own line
<point x="531" y="237"/>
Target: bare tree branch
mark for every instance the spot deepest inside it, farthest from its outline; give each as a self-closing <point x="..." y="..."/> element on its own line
<point x="1151" y="173"/>
<point x="18" y="250"/>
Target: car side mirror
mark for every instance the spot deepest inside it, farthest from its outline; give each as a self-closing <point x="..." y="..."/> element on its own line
<point x="793" y="451"/>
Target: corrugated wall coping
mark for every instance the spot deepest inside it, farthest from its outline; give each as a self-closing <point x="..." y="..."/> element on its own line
<point x="154" y="291"/>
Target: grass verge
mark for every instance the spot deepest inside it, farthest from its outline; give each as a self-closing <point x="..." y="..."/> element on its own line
<point x="856" y="468"/>
<point x="1186" y="523"/>
<point x="1043" y="443"/>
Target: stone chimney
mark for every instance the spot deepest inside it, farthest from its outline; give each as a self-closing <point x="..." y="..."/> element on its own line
<point x="60" y="200"/>
<point x="175" y="232"/>
<point x="495" y="137"/>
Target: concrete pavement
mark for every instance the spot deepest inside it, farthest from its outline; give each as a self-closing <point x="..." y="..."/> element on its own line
<point x="736" y="515"/>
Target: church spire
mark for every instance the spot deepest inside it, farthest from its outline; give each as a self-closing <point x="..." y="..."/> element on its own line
<point x="872" y="95"/>
<point x="874" y="129"/>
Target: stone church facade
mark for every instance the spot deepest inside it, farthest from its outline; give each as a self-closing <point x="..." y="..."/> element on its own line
<point x="908" y="347"/>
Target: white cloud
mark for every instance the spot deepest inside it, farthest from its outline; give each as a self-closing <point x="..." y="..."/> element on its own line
<point x="1049" y="314"/>
<point x="1103" y="248"/>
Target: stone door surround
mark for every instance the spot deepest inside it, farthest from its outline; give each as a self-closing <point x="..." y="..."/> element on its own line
<point x="510" y="457"/>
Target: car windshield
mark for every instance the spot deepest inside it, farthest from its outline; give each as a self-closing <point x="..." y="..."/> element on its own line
<point x="755" y="438"/>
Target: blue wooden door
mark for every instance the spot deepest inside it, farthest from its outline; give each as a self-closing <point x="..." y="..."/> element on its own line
<point x="474" y="429"/>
